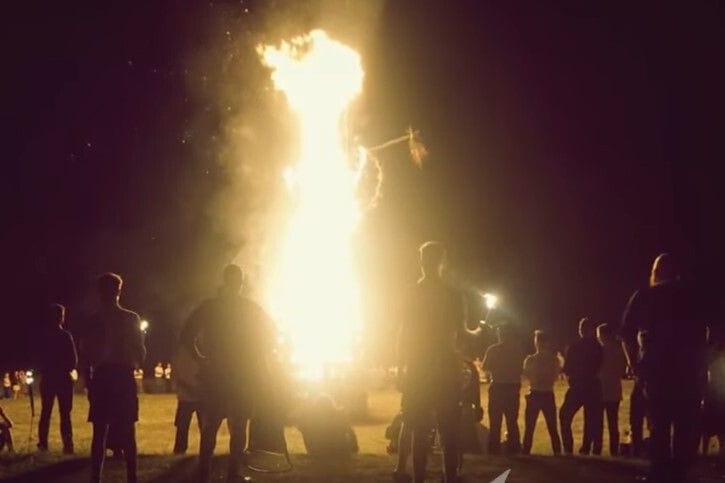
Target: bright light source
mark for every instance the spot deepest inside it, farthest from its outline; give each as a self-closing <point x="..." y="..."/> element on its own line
<point x="144" y="325"/>
<point x="491" y="300"/>
<point x="313" y="292"/>
<point x="29" y="379"/>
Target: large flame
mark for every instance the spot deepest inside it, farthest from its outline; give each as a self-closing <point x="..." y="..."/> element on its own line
<point x="314" y="293"/>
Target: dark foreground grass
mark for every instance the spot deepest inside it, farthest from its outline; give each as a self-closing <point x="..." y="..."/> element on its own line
<point x="155" y="432"/>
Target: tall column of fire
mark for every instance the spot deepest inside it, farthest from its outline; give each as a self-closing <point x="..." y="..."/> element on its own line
<point x="314" y="291"/>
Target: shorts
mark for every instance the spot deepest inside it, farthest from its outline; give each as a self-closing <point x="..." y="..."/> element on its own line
<point x="112" y="395"/>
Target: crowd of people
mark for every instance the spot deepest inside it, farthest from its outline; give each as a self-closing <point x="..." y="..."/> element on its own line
<point x="666" y="334"/>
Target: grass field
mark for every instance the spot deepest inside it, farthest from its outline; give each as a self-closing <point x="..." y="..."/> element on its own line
<point x="155" y="433"/>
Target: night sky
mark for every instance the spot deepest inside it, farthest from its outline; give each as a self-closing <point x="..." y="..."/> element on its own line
<point x="569" y="145"/>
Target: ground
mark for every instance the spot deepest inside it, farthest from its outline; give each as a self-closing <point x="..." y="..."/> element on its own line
<point x="155" y="432"/>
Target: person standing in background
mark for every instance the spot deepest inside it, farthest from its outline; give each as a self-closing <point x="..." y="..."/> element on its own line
<point x="542" y="369"/>
<point x="57" y="357"/>
<point x="614" y="367"/>
<point x="504" y="362"/>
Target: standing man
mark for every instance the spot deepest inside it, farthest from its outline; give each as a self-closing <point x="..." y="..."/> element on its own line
<point x="57" y="357"/>
<point x="583" y="360"/>
<point x="431" y="365"/>
<point x="504" y="361"/>
<point x="614" y="367"/>
<point x="542" y="369"/>
<point x="230" y="336"/>
<point x="674" y="316"/>
<point x="114" y="347"/>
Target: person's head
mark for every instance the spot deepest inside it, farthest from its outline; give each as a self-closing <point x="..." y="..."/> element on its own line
<point x="587" y="327"/>
<point x="109" y="288"/>
<point x="664" y="269"/>
<point x="541" y="341"/>
<point x="605" y="334"/>
<point x="55" y="315"/>
<point x="432" y="257"/>
<point x="232" y="279"/>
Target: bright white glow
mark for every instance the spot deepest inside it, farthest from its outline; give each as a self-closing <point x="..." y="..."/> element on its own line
<point x="314" y="291"/>
<point x="491" y="300"/>
<point x="144" y="325"/>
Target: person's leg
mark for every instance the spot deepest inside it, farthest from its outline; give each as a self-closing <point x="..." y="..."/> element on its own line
<point x="593" y="422"/>
<point x="47" y="398"/>
<point x="687" y="423"/>
<point x="182" y="421"/>
<point x="127" y="437"/>
<point x="511" y="410"/>
<point x="495" y="416"/>
<point x="209" y="427"/>
<point x="237" y="424"/>
<point x="448" y="419"/>
<point x="612" y="410"/>
<point x="548" y="406"/>
<point x="531" y="413"/>
<point x="572" y="404"/>
<point x="404" y="447"/>
<point x="660" y="438"/>
<point x="98" y="450"/>
<point x="636" y="418"/>
<point x="65" y="406"/>
<point x="420" y="452"/>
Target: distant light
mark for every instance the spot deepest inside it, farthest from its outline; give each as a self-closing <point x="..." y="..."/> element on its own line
<point x="491" y="300"/>
<point x="29" y="377"/>
<point x="144" y="325"/>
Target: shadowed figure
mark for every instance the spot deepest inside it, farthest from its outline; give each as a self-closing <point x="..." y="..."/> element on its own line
<point x="57" y="357"/>
<point x="674" y="316"/>
<point x="431" y="365"/>
<point x="114" y="348"/>
<point x="614" y="368"/>
<point x="583" y="360"/>
<point x="231" y="338"/>
<point x="504" y="361"/>
<point x="542" y="369"/>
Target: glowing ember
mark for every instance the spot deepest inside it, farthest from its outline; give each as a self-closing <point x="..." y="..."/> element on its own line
<point x="314" y="294"/>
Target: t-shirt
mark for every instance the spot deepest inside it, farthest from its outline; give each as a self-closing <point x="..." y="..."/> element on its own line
<point x="614" y="365"/>
<point x="542" y="370"/>
<point x="505" y="362"/>
<point x="582" y="362"/>
<point x="114" y="337"/>
<point x="56" y="353"/>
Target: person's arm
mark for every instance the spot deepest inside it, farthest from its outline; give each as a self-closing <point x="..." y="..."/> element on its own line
<point x="628" y="331"/>
<point x="70" y="354"/>
<point x="527" y="368"/>
<point x="489" y="359"/>
<point x="568" y="359"/>
<point x="190" y="333"/>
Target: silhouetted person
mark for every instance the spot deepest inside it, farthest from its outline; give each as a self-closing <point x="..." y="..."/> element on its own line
<point x="326" y="431"/>
<point x="674" y="366"/>
<point x="638" y="399"/>
<point x="430" y="363"/>
<point x="614" y="367"/>
<point x="542" y="369"/>
<point x="583" y="359"/>
<point x="114" y="348"/>
<point x="188" y="382"/>
<point x="6" y="436"/>
<point x="231" y="338"/>
<point x="504" y="361"/>
<point x="714" y="404"/>
<point x="57" y="357"/>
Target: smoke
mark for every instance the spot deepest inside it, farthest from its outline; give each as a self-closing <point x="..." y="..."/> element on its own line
<point x="243" y="129"/>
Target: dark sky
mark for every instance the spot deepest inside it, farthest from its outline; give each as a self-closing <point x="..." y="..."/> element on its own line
<point x="569" y="145"/>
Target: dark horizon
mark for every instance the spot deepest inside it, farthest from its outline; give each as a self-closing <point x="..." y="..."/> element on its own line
<point x="568" y="147"/>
